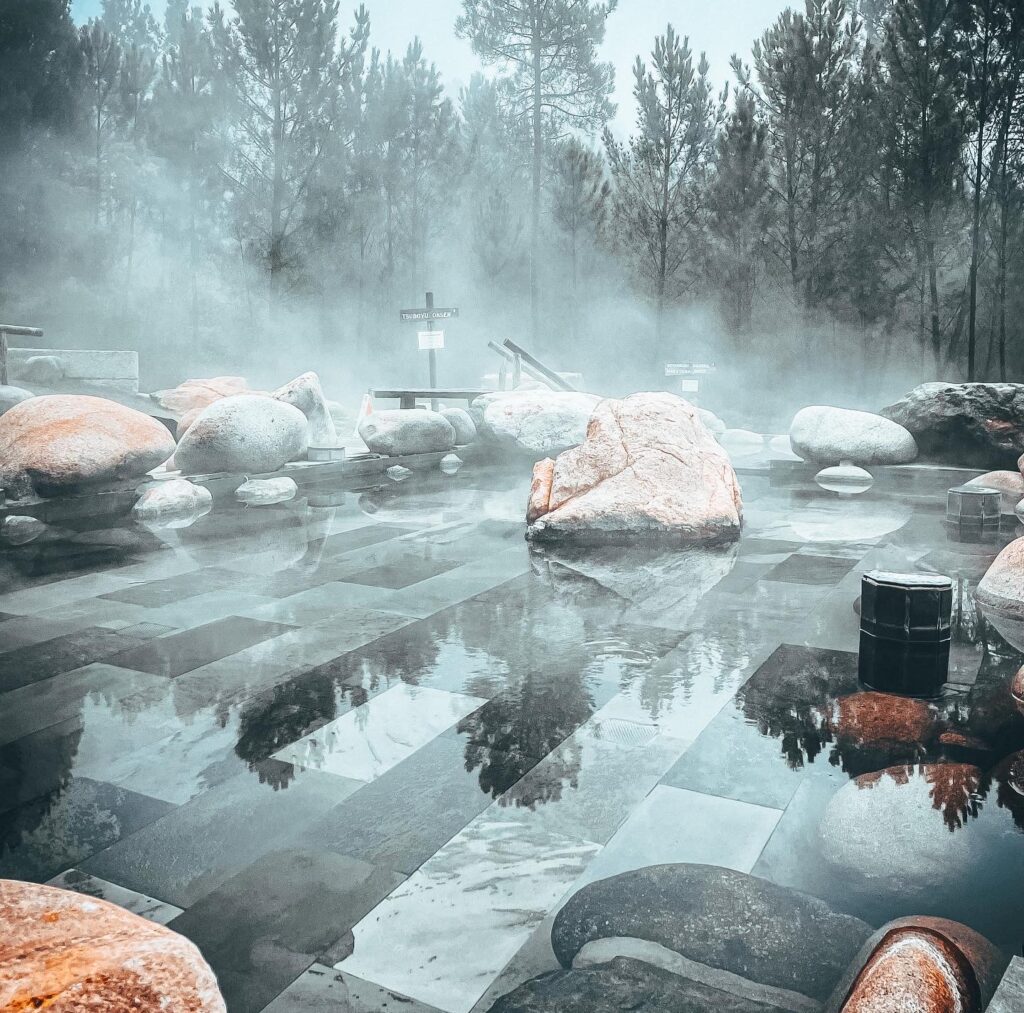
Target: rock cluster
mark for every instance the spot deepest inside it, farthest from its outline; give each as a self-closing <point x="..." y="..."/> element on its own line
<point x="647" y="468"/>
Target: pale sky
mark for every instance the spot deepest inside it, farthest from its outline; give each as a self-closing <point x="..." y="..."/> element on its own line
<point x="719" y="27"/>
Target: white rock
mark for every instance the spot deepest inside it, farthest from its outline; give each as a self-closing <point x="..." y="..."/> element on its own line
<point x="397" y="473"/>
<point x="462" y="423"/>
<point x="247" y="433"/>
<point x="10" y="396"/>
<point x="450" y="464"/>
<point x="741" y="442"/>
<point x="781" y="449"/>
<point x="829" y="435"/>
<point x="539" y="423"/>
<point x="712" y="421"/>
<point x="397" y="432"/>
<point x="266" y="491"/>
<point x="175" y="502"/>
<point x="306" y="394"/>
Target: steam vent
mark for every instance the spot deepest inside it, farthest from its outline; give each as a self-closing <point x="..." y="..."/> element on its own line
<point x="511" y="506"/>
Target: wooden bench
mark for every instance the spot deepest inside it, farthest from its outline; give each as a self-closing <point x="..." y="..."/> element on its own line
<point x="408" y="396"/>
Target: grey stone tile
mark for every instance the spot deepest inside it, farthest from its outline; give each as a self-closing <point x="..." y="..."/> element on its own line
<point x="146" y="907"/>
<point x="322" y="989"/>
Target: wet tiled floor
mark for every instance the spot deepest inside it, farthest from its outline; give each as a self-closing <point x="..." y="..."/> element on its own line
<point x="362" y="753"/>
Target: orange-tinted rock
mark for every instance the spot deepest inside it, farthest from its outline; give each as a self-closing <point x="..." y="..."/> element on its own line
<point x="914" y="970"/>
<point x="194" y="395"/>
<point x="648" y="467"/>
<point x="1001" y="590"/>
<point x="68" y="953"/>
<point x="1009" y="483"/>
<point x="1017" y="689"/>
<point x="61" y="441"/>
<point x="871" y="718"/>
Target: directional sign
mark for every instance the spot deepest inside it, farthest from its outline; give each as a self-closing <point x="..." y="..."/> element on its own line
<point x="689" y="368"/>
<point x="430" y="314"/>
<point x="430" y="339"/>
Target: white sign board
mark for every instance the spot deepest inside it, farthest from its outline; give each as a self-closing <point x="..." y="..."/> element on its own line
<point x="689" y="385"/>
<point x="430" y="339"/>
<point x="689" y="368"/>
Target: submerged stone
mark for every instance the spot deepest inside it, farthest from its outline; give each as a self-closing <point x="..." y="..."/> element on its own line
<point x="266" y="491"/>
<point x="20" y="529"/>
<point x="648" y="469"/>
<point x="58" y="442"/>
<point x="173" y="503"/>
<point x="844" y="478"/>
<point x="726" y="920"/>
<point x="397" y="473"/>
<point x="624" y="984"/>
<point x="828" y="435"/>
<point x="450" y="464"/>
<point x="68" y="953"/>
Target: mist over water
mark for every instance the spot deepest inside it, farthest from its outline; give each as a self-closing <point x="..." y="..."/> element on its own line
<point x="834" y="255"/>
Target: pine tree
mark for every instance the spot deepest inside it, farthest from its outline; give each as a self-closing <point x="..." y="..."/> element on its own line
<point x="548" y="49"/>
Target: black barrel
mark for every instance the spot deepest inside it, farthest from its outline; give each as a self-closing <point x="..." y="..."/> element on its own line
<point x="905" y="632"/>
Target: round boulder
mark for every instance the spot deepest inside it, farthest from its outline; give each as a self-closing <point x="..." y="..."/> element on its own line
<point x="830" y="435"/>
<point x="1009" y="483"/>
<point x="10" y="396"/>
<point x="66" y="952"/>
<point x="1001" y="590"/>
<point x="534" y="423"/>
<point x="463" y="424"/>
<point x="725" y="920"/>
<point x="401" y="431"/>
<point x="245" y="433"/>
<point x="62" y="441"/>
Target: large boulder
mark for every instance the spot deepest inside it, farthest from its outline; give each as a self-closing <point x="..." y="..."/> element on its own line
<point x="625" y="984"/>
<point x="648" y="468"/>
<point x="716" y="917"/>
<point x="829" y="435"/>
<point x="251" y="434"/>
<point x="61" y="441"/>
<point x="397" y="432"/>
<point x="10" y="396"/>
<point x="69" y="953"/>
<point x="195" y="395"/>
<point x="306" y="394"/>
<point x="972" y="424"/>
<point x="535" y="423"/>
<point x="1001" y="590"/>
<point x="921" y="964"/>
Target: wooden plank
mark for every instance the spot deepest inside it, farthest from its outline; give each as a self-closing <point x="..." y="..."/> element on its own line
<point x="550" y="376"/>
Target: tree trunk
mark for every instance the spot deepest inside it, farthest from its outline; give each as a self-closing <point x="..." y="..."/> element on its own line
<point x="538" y="155"/>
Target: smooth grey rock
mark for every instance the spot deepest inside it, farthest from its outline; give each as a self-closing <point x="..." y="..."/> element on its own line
<point x="306" y="394"/>
<point x="397" y="473"/>
<point x="397" y="432"/>
<point x="266" y="491"/>
<point x="712" y="421"/>
<point x="44" y="369"/>
<point x="1009" y="997"/>
<point x="829" y="435"/>
<point x="727" y="920"/>
<point x="973" y="424"/>
<point x="247" y="433"/>
<point x="537" y="423"/>
<point x="463" y="424"/>
<point x="622" y="984"/>
<point x="10" y="396"/>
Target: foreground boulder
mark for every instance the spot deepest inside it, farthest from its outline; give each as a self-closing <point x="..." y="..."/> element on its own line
<point x="306" y="394"/>
<point x="923" y="964"/>
<point x="1001" y="590"/>
<point x="972" y="424"/>
<point x="69" y="953"/>
<point x="716" y="917"/>
<point x="10" y="396"/>
<point x="246" y="433"/>
<point x="648" y="467"/>
<point x="829" y="435"/>
<point x="624" y="984"/>
<point x="62" y="441"/>
<point x="397" y="432"/>
<point x="535" y="423"/>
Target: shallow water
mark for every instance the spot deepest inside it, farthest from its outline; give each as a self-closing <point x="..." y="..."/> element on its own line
<point x="374" y="729"/>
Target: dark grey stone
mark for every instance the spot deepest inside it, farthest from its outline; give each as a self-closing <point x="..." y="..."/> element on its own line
<point x="622" y="984"/>
<point x="724" y="919"/>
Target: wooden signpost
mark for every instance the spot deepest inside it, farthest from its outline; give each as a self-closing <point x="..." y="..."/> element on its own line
<point x="431" y="339"/>
<point x="18" y="331"/>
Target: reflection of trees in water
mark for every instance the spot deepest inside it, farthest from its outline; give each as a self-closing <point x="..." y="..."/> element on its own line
<point x="957" y="790"/>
